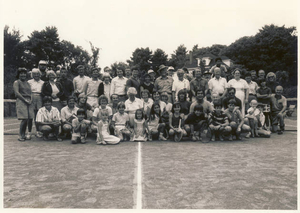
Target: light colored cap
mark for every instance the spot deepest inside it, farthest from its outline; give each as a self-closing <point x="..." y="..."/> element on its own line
<point x="150" y="71"/>
<point x="171" y="68"/>
<point x="43" y="62"/>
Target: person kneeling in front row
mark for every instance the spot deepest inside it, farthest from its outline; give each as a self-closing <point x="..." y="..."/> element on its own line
<point x="80" y="127"/>
<point x="48" y="119"/>
<point x="218" y="122"/>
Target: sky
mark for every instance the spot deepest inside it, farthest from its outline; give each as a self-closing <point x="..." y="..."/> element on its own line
<point x="119" y="27"/>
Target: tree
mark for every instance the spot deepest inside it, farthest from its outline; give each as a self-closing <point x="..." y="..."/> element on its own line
<point x="141" y="59"/>
<point x="95" y="55"/>
<point x="273" y="48"/>
<point x="118" y="65"/>
<point x="13" y="48"/>
<point x="159" y="57"/>
<point x="178" y="59"/>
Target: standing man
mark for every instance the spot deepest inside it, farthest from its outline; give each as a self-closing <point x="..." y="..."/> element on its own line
<point x="219" y="65"/>
<point x="180" y="84"/>
<point x="43" y="68"/>
<point x="261" y="74"/>
<point x="134" y="81"/>
<point x="207" y="107"/>
<point x="198" y="83"/>
<point x="118" y="85"/>
<point x="79" y="80"/>
<point x="252" y="89"/>
<point x="90" y="88"/>
<point x="67" y="84"/>
<point x="164" y="83"/>
<point x="218" y="84"/>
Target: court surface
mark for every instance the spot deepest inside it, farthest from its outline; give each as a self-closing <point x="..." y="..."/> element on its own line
<point x="249" y="174"/>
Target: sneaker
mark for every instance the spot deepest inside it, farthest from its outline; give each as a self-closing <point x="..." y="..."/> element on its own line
<point x="99" y="142"/>
<point x="59" y="139"/>
<point x="82" y="140"/>
<point x="221" y="138"/>
<point x="51" y="135"/>
<point x="230" y="137"/>
<point x="199" y="138"/>
<point x="161" y="137"/>
<point x="39" y="134"/>
<point x="28" y="136"/>
<point x="248" y="135"/>
<point x="194" y="138"/>
<point x="213" y="138"/>
<point x="279" y="132"/>
<point x="45" y="138"/>
<point x="21" y="139"/>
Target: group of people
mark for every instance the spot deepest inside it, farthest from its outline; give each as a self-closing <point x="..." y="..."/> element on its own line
<point x="129" y="107"/>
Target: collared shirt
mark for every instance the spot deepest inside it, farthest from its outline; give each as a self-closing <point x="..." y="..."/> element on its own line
<point x="163" y="85"/>
<point x="78" y="83"/>
<point x="67" y="113"/>
<point x="118" y="85"/>
<point x="91" y="87"/>
<point x="147" y="104"/>
<point x="36" y="86"/>
<point x="132" y="106"/>
<point x="217" y="85"/>
<point x="43" y="115"/>
<point x="120" y="119"/>
<point x="200" y="84"/>
<point x="217" y="119"/>
<point x="179" y="85"/>
<point x="252" y="87"/>
<point x="98" y="110"/>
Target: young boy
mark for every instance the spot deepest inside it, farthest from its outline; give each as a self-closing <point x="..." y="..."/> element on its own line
<point x="80" y="127"/>
<point x="236" y="120"/>
<point x="195" y="123"/>
<point x="165" y="98"/>
<point x="253" y="122"/>
<point x="261" y="120"/>
<point x="218" y="122"/>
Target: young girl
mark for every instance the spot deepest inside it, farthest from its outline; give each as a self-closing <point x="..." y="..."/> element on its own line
<point x="147" y="102"/>
<point x="120" y="123"/>
<point x="103" y="136"/>
<point x="80" y="127"/>
<point x="140" y="126"/>
<point x="253" y="122"/>
<point x="165" y="98"/>
<point x="155" y="125"/>
<point x="103" y="101"/>
<point x="176" y="123"/>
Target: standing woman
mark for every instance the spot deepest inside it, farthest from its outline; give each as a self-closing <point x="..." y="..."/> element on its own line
<point x="24" y="108"/>
<point x="53" y="89"/>
<point x="241" y="87"/>
<point x="37" y="100"/>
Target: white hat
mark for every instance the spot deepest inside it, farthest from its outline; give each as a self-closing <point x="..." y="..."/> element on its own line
<point x="150" y="71"/>
<point x="43" y="62"/>
<point x="171" y="68"/>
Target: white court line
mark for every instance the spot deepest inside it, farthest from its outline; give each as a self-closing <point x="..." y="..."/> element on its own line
<point x="10" y="124"/>
<point x="290" y="125"/>
<point x="15" y="129"/>
<point x="139" y="179"/>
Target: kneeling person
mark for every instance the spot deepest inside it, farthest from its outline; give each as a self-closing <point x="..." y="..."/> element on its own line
<point x="48" y="119"/>
<point x="196" y="122"/>
<point x="218" y="122"/>
<point x="80" y="127"/>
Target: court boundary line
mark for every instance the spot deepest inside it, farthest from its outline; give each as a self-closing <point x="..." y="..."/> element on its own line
<point x="139" y="178"/>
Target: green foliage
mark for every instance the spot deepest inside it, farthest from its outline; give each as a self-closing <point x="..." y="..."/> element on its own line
<point x="118" y="65"/>
<point x="13" y="48"/>
<point x="272" y="48"/>
<point x="141" y="59"/>
<point x="214" y="49"/>
<point x="178" y="59"/>
<point x="159" y="57"/>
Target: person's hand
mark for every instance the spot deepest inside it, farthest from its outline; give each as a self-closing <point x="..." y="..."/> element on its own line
<point x="53" y="96"/>
<point x="238" y="129"/>
<point x="280" y="114"/>
<point x="28" y="101"/>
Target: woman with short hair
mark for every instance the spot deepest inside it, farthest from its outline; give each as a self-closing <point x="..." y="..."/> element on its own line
<point x="24" y="107"/>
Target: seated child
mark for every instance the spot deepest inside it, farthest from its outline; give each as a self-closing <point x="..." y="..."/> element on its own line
<point x="80" y="127"/>
<point x="103" y="136"/>
<point x="184" y="104"/>
<point x="176" y="123"/>
<point x="140" y="126"/>
<point x="236" y="120"/>
<point x="155" y="124"/>
<point x="120" y="123"/>
<point x="261" y="121"/>
<point x="195" y="122"/>
<point x="147" y="102"/>
<point x="252" y="112"/>
<point x="165" y="98"/>
<point x="264" y="96"/>
<point x="218" y="122"/>
<point x="103" y="101"/>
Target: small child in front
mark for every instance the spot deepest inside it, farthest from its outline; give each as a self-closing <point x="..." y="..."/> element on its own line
<point x="253" y="122"/>
<point x="120" y="123"/>
<point x="140" y="126"/>
<point x="218" y="122"/>
<point x="196" y="122"/>
<point x="80" y="127"/>
<point x="155" y="124"/>
<point x="103" y="136"/>
<point x="176" y="123"/>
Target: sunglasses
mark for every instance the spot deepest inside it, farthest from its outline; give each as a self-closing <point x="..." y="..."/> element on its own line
<point x="231" y="93"/>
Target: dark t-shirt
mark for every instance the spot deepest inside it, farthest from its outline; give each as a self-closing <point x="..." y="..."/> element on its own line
<point x="226" y="100"/>
<point x="149" y="88"/>
<point x="272" y="86"/>
<point x="265" y="91"/>
<point x="194" y="119"/>
<point x="185" y="107"/>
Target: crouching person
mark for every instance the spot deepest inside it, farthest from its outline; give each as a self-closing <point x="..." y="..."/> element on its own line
<point x="176" y="123"/>
<point x="236" y="120"/>
<point x="80" y="127"/>
<point x="218" y="122"/>
<point x="261" y="121"/>
<point x="48" y="119"/>
<point x="278" y="107"/>
<point x="68" y="113"/>
<point x="196" y="122"/>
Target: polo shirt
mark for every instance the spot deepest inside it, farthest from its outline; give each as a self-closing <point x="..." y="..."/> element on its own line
<point x="217" y="85"/>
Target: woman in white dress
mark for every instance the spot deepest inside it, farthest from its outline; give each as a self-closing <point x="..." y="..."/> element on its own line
<point x="241" y="87"/>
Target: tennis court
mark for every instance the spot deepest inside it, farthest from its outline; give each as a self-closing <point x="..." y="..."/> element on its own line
<point x="248" y="174"/>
